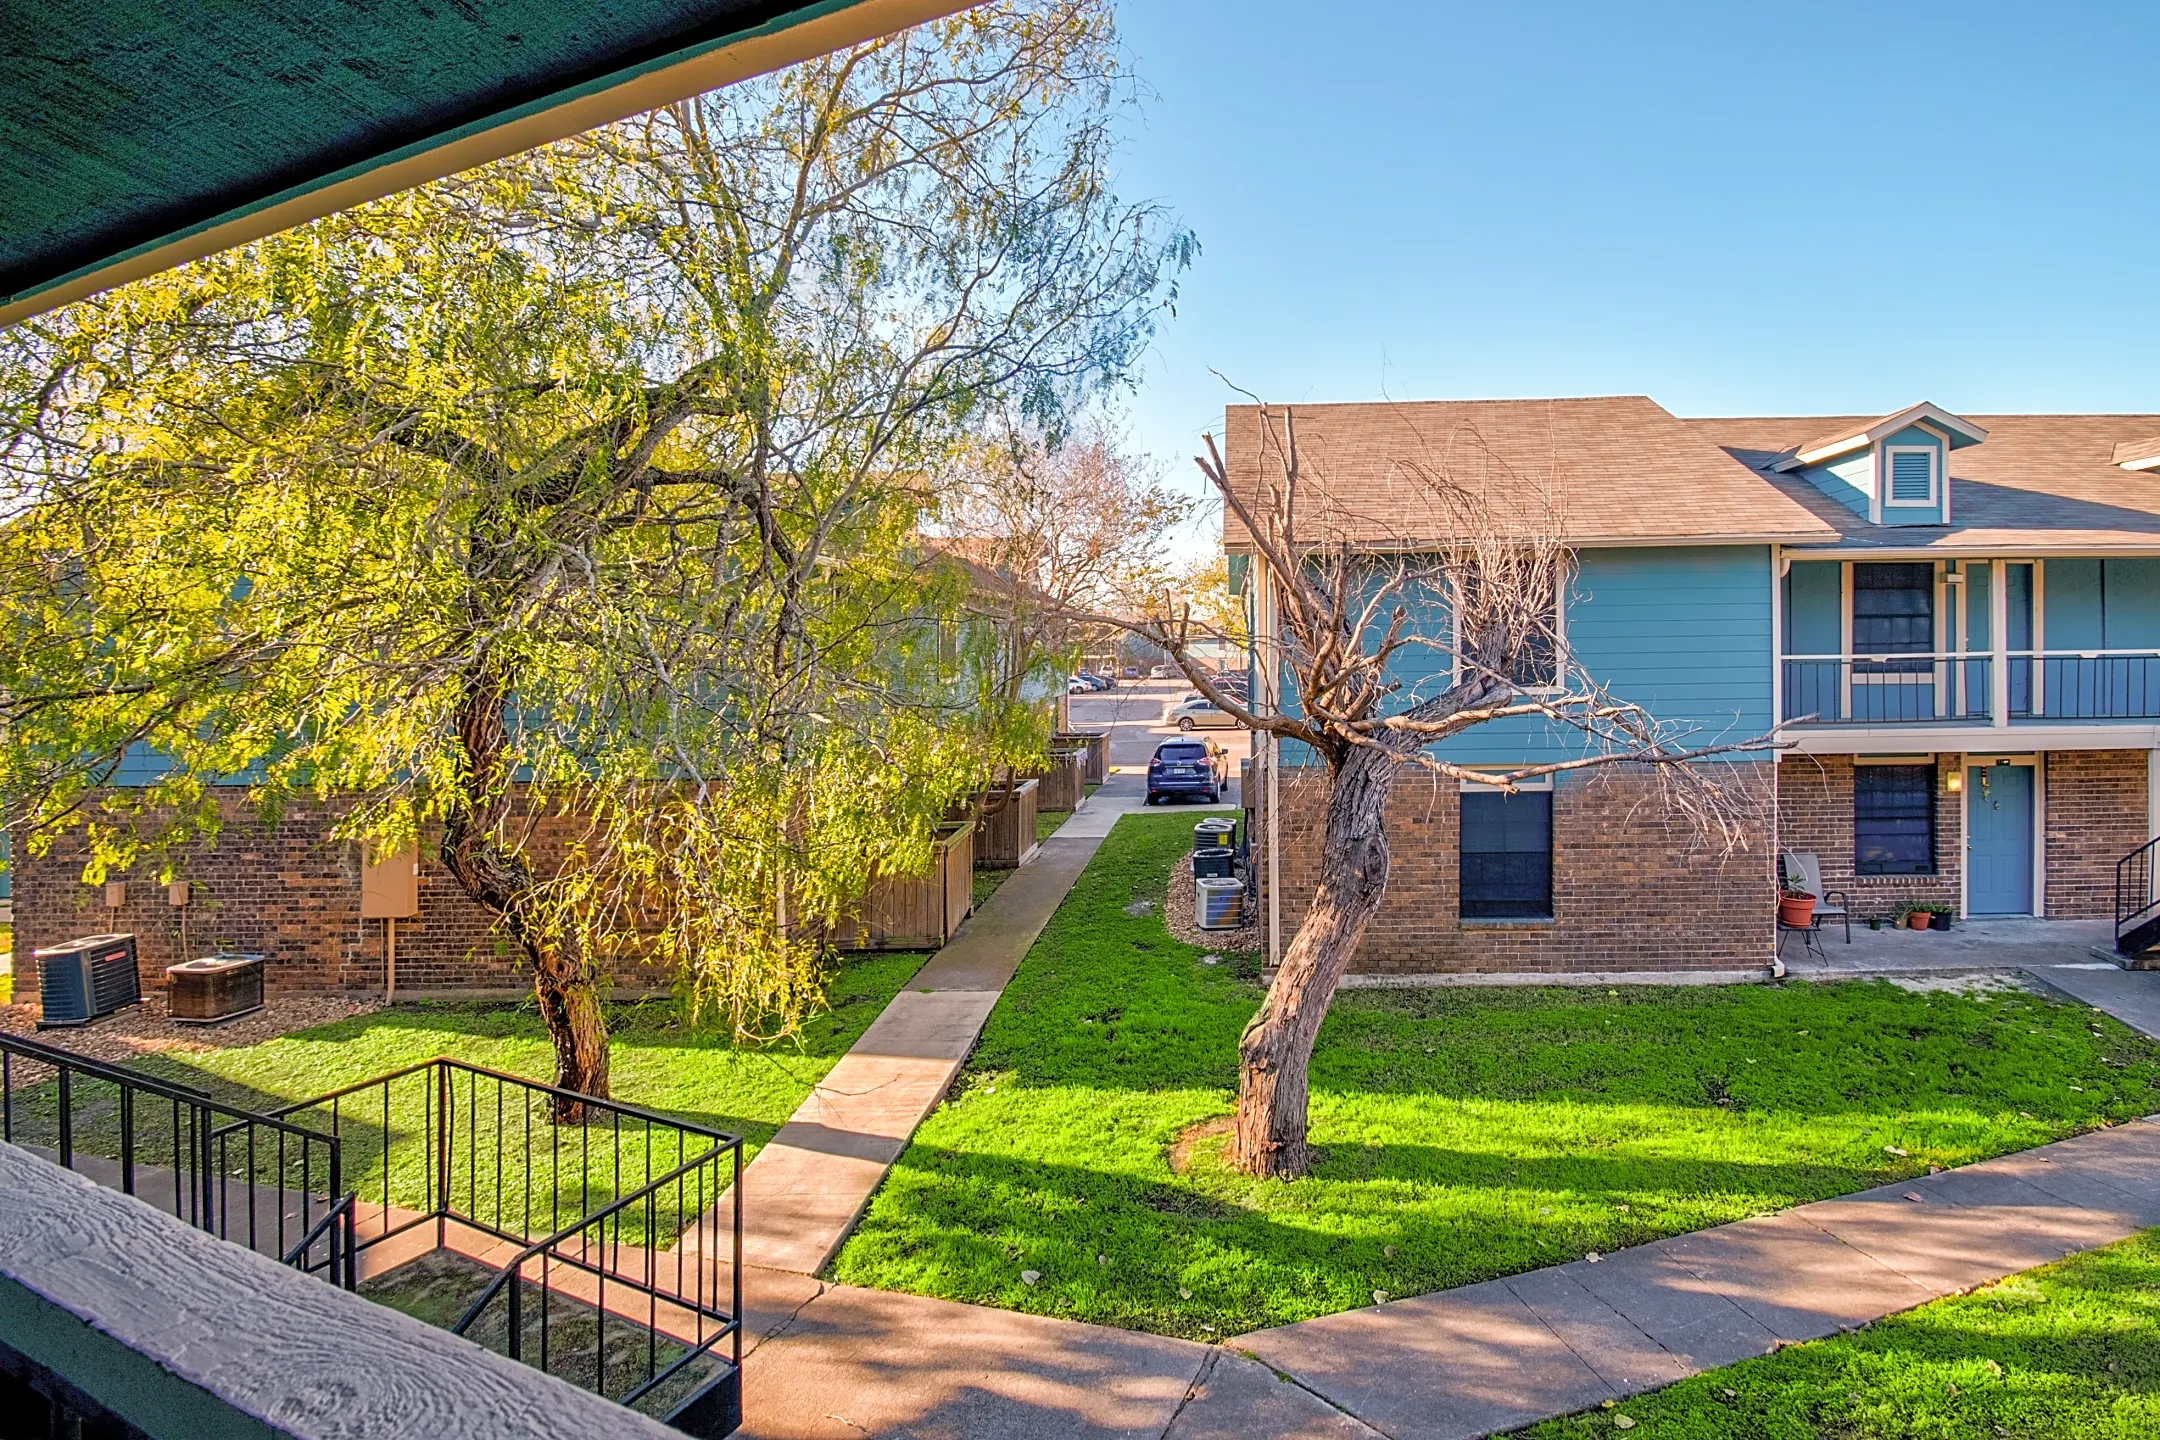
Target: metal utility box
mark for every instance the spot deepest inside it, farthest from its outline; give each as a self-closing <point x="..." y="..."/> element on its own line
<point x="390" y="884"/>
<point x="86" y="978"/>
<point x="214" y="988"/>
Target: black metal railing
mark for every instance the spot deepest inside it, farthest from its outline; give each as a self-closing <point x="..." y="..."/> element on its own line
<point x="271" y="1184"/>
<point x="2135" y="902"/>
<point x="613" y="1214"/>
<point x="1887" y="689"/>
<point x="1900" y="689"/>
<point x="2092" y="685"/>
<point x="669" y="1302"/>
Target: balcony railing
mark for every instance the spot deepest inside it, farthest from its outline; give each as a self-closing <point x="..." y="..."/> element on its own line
<point x="1958" y="687"/>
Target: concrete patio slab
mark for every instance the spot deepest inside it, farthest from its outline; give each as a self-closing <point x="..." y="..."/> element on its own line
<point x="864" y="1362"/>
<point x="2005" y="943"/>
<point x="1240" y="1399"/>
<point x="1450" y="1366"/>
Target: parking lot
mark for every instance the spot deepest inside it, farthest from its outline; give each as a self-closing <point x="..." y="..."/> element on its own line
<point x="1132" y="714"/>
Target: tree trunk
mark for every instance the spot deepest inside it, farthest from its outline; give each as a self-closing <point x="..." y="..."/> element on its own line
<point x="570" y="1008"/>
<point x="1275" y="1052"/>
<point x="501" y="881"/>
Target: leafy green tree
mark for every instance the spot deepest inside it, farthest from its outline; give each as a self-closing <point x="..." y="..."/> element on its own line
<point x="565" y="513"/>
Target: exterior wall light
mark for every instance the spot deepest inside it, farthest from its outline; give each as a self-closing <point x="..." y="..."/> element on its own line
<point x="1956" y="782"/>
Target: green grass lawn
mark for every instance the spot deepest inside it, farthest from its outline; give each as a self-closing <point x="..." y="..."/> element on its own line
<point x="1468" y="1133"/>
<point x="2067" y="1352"/>
<point x="656" y="1061"/>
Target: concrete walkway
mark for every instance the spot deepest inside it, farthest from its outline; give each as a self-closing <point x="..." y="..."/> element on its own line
<point x="1508" y="1352"/>
<point x="833" y="1360"/>
<point x="807" y="1187"/>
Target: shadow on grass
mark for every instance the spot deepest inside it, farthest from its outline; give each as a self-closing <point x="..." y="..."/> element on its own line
<point x="1126" y="1248"/>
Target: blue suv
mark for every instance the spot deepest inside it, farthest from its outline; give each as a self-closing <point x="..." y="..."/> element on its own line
<point x="1191" y="768"/>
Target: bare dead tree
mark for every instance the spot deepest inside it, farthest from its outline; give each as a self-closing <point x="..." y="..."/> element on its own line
<point x="1348" y="612"/>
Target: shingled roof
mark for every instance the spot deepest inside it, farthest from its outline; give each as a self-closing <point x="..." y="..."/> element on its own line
<point x="1622" y="470"/>
<point x="1613" y="470"/>
<point x="2040" y="483"/>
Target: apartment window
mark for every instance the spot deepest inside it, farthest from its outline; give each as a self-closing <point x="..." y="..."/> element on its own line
<point x="1507" y="855"/>
<point x="1893" y="613"/>
<point x="1531" y="659"/>
<point x="1894" y="819"/>
<point x="1912" y="476"/>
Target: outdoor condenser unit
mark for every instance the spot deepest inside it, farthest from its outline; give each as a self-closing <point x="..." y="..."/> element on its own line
<point x="214" y="988"/>
<point x="1218" y="904"/>
<point x="86" y="978"/>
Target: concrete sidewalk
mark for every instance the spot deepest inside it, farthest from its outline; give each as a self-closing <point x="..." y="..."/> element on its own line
<point x="807" y="1187"/>
<point x="1495" y="1356"/>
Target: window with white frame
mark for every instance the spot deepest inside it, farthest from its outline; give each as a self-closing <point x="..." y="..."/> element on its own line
<point x="1910" y="472"/>
<point x="1531" y="655"/>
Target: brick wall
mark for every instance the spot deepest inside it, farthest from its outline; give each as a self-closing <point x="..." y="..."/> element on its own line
<point x="1815" y="812"/>
<point x="2096" y="814"/>
<point x="2096" y="803"/>
<point x="1633" y="888"/>
<point x="288" y="892"/>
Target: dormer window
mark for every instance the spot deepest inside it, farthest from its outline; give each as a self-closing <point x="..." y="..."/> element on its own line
<point x="1911" y="470"/>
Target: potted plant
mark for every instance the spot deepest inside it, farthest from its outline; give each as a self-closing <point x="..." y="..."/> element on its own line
<point x="1938" y="917"/>
<point x="1795" y="909"/>
<point x="1915" y="917"/>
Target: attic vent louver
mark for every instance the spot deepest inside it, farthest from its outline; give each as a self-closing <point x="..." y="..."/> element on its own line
<point x="1912" y="477"/>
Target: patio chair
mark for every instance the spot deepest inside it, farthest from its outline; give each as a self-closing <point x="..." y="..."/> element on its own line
<point x="1803" y="873"/>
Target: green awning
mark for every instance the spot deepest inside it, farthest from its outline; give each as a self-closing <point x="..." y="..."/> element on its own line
<point x="139" y="134"/>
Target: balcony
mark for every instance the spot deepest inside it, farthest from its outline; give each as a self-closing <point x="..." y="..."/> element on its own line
<point x="1968" y="688"/>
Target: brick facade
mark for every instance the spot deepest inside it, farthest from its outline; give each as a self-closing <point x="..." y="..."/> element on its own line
<point x="288" y="892"/>
<point x="2096" y="814"/>
<point x="1633" y="888"/>
<point x="1636" y="890"/>
<point x="1815" y="813"/>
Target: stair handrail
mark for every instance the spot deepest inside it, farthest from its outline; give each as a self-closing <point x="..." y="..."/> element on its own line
<point x="2134" y="881"/>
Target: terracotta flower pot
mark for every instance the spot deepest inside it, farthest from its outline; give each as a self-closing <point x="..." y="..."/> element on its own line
<point x="1796" y="912"/>
<point x="1918" y="920"/>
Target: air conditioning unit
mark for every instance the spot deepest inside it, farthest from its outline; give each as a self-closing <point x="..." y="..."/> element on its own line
<point x="213" y="989"/>
<point x="86" y="978"/>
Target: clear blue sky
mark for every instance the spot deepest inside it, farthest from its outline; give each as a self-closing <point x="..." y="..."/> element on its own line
<point x="1735" y="208"/>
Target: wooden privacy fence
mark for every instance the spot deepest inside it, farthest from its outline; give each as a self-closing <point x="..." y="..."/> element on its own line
<point x="917" y="912"/>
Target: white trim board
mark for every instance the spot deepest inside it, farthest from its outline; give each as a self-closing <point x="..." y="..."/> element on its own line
<point x="1960" y="739"/>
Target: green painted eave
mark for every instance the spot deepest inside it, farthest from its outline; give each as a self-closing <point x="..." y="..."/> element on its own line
<point x="137" y="134"/>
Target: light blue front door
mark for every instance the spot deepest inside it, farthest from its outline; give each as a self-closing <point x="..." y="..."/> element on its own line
<point x="1999" y="839"/>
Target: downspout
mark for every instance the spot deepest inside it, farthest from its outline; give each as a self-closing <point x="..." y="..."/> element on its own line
<point x="1271" y="683"/>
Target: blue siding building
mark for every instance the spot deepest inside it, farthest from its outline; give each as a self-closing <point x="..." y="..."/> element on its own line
<point x="1950" y="625"/>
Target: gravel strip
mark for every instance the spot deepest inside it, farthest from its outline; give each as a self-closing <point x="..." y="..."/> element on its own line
<point x="1178" y="915"/>
<point x="145" y="1030"/>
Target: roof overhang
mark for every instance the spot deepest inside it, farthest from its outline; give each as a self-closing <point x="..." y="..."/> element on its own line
<point x="139" y="136"/>
<point x="1960" y="434"/>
